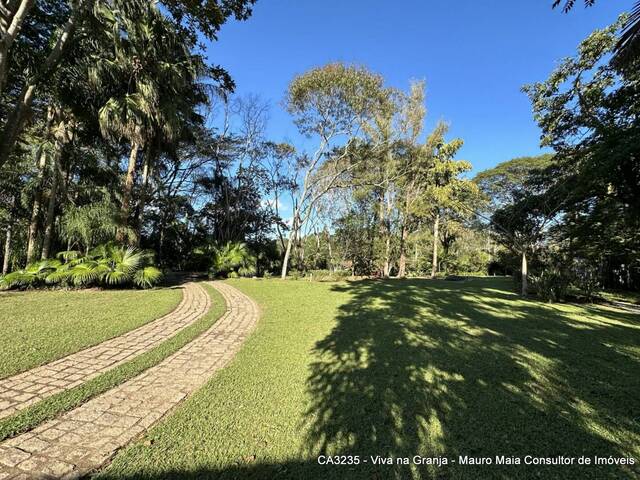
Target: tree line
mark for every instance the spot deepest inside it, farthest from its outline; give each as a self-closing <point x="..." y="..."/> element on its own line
<point x="121" y="142"/>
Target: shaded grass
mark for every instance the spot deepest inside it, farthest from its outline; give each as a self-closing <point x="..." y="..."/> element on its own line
<point x="37" y="327"/>
<point x="621" y="296"/>
<point x="404" y="368"/>
<point x="69" y="399"/>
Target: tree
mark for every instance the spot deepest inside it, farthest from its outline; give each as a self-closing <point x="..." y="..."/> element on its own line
<point x="589" y="113"/>
<point x="158" y="73"/>
<point x="517" y="214"/>
<point x="188" y="18"/>
<point x="331" y="103"/>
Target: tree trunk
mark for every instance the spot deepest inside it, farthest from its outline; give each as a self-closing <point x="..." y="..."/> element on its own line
<point x="13" y="17"/>
<point x="7" y="248"/>
<point x="51" y="210"/>
<point x="285" y="261"/>
<point x="525" y="273"/>
<point x="402" y="262"/>
<point x="6" y="261"/>
<point x="434" y="261"/>
<point x="387" y="257"/>
<point x="127" y="194"/>
<point x="291" y="240"/>
<point x="142" y="203"/>
<point x="32" y="235"/>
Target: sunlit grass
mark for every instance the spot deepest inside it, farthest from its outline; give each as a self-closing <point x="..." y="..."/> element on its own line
<point x="404" y="368"/>
<point x="37" y="327"/>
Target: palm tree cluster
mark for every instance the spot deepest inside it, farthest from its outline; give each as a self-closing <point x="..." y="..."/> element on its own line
<point x="99" y="102"/>
<point x="105" y="265"/>
<point x="233" y="259"/>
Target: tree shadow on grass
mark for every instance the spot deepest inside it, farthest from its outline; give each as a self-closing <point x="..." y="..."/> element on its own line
<point x="435" y="368"/>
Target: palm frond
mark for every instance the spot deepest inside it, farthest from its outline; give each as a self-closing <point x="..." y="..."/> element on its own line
<point x="147" y="277"/>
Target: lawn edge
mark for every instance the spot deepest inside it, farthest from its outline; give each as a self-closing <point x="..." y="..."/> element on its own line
<point x="65" y="401"/>
<point x="91" y="345"/>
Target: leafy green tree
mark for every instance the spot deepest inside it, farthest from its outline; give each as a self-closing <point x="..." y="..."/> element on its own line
<point x="589" y="113"/>
<point x="511" y="209"/>
<point x="331" y="103"/>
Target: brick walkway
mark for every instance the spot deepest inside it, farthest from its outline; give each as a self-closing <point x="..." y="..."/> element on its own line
<point x="86" y="438"/>
<point x="24" y="389"/>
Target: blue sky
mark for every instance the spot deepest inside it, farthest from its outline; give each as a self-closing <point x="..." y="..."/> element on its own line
<point x="474" y="55"/>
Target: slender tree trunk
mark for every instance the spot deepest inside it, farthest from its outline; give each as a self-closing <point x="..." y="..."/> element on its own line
<point x="291" y="240"/>
<point x="13" y="14"/>
<point x="142" y="203"/>
<point x="127" y="193"/>
<point x="387" y="257"/>
<point x="524" y="274"/>
<point x="285" y="261"/>
<point x="387" y="234"/>
<point x="32" y="235"/>
<point x="402" y="262"/>
<point x="330" y="252"/>
<point x="434" y="261"/>
<point x="6" y="261"/>
<point x="51" y="210"/>
<point x="7" y="248"/>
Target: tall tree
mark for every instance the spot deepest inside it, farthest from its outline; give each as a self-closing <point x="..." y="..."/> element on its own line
<point x="331" y="103"/>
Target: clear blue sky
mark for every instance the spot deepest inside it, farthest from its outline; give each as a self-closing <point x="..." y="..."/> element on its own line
<point x="474" y="55"/>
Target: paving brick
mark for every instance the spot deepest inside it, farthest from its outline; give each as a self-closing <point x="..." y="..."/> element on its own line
<point x="32" y="386"/>
<point x="87" y="437"/>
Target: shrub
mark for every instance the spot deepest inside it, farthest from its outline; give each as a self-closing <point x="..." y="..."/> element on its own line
<point x="328" y="275"/>
<point x="552" y="284"/>
<point x="106" y="265"/>
<point x="233" y="260"/>
<point x="586" y="279"/>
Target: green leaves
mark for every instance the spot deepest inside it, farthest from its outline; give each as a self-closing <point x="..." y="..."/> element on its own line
<point x="234" y="259"/>
<point x="107" y="264"/>
<point x="335" y="98"/>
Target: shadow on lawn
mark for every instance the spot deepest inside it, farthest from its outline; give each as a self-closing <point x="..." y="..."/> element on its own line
<point x="436" y="368"/>
<point x="442" y="369"/>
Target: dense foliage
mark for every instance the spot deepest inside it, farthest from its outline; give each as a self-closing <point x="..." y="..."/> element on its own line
<point x="106" y="265"/>
<point x="117" y="129"/>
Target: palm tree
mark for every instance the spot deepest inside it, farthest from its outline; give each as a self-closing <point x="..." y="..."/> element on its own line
<point x="234" y="259"/>
<point x="628" y="47"/>
<point x="107" y="265"/>
<point x="159" y="78"/>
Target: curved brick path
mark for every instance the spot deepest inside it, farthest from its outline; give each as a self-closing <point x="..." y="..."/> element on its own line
<point x="27" y="388"/>
<point x="86" y="438"/>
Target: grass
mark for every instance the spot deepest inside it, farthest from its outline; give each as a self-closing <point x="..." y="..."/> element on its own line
<point x="38" y="327"/>
<point x="621" y="296"/>
<point x="404" y="368"/>
<point x="67" y="400"/>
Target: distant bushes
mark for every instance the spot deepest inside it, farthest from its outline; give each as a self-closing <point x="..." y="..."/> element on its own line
<point x="561" y="277"/>
<point x="105" y="265"/>
<point x="233" y="260"/>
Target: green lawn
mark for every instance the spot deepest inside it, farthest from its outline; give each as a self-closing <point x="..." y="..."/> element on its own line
<point x="37" y="327"/>
<point x="404" y="368"/>
<point x="64" y="401"/>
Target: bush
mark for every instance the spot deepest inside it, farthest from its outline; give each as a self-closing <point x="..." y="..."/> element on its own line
<point x="233" y="260"/>
<point x="552" y="284"/>
<point x="328" y="275"/>
<point x="106" y="265"/>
